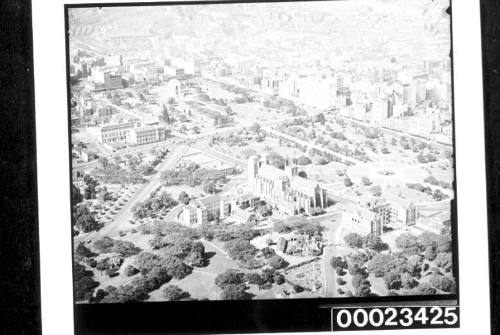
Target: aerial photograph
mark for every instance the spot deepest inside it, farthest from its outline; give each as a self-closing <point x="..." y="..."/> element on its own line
<point x="282" y="150"/>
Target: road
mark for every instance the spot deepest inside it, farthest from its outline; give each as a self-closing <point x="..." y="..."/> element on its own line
<point x="121" y="219"/>
<point x="173" y="215"/>
<point x="332" y="235"/>
<point x="205" y="149"/>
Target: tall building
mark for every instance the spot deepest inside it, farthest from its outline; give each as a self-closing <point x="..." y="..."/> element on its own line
<point x="421" y="90"/>
<point x="112" y="81"/>
<point x="270" y="82"/>
<point x="391" y="102"/>
<point x="284" y="189"/>
<point x="390" y="108"/>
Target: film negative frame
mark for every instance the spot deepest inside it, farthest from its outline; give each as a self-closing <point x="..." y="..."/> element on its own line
<point x="244" y="316"/>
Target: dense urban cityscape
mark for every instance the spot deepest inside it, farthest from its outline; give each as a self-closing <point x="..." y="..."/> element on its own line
<point x="261" y="151"/>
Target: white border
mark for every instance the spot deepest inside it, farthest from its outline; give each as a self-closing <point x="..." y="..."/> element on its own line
<point x="53" y="170"/>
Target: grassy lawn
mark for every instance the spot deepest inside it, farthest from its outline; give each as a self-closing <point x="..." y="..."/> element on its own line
<point x="218" y="262"/>
<point x="199" y="284"/>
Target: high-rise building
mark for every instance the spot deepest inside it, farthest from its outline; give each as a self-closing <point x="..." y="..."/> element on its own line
<point x="112" y="81"/>
<point x="421" y="90"/>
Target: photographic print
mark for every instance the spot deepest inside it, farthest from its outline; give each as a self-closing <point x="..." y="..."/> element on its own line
<point x="261" y="151"/>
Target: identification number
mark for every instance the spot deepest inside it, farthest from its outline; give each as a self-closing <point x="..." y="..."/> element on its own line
<point x="395" y="317"/>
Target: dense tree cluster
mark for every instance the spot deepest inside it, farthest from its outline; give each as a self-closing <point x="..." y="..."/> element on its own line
<point x="265" y="210"/>
<point x="348" y="182"/>
<point x="76" y="196"/>
<point x="153" y="205"/>
<point x="276" y="160"/>
<point x="82" y="251"/>
<point x="354" y="240"/>
<point x="396" y="269"/>
<point x="227" y="233"/>
<point x="265" y="279"/>
<point x="426" y="158"/>
<point x="104" y="195"/>
<point x="175" y="293"/>
<point x="193" y="253"/>
<point x="232" y="284"/>
<point x="408" y="243"/>
<point x="374" y="242"/>
<point x="407" y="281"/>
<point x="424" y="289"/>
<point x="168" y="228"/>
<point x="184" y="198"/>
<point x="444" y="261"/>
<point x="277" y="262"/>
<point x="338" y="262"/>
<point x="85" y="219"/>
<point x="437" y="194"/>
<point x="121" y="247"/>
<point x="114" y="174"/>
<point x="122" y="294"/>
<point x="392" y="280"/>
<point x="89" y="188"/>
<point x="131" y="271"/>
<point x="193" y="175"/>
<point x="434" y="181"/>
<point x="299" y="224"/>
<point x="443" y="283"/>
<point x="84" y="284"/>
<point x="242" y="251"/>
<point x="156" y="270"/>
<point x="428" y="243"/>
<point x="110" y="265"/>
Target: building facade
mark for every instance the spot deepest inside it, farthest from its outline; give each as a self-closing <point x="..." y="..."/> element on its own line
<point x="131" y="133"/>
<point x="361" y="220"/>
<point x="116" y="133"/>
<point x="203" y="210"/>
<point x="147" y="134"/>
<point x="284" y="189"/>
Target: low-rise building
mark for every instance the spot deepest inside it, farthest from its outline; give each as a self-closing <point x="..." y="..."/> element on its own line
<point x="361" y="220"/>
<point x="302" y="245"/>
<point x="396" y="212"/>
<point x="78" y="180"/>
<point x="203" y="210"/>
<point x="147" y="134"/>
<point x="131" y="133"/>
<point x="115" y="133"/>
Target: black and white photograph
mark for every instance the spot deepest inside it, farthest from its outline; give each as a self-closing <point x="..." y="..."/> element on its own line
<point x="261" y="166"/>
<point x="261" y="151"/>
